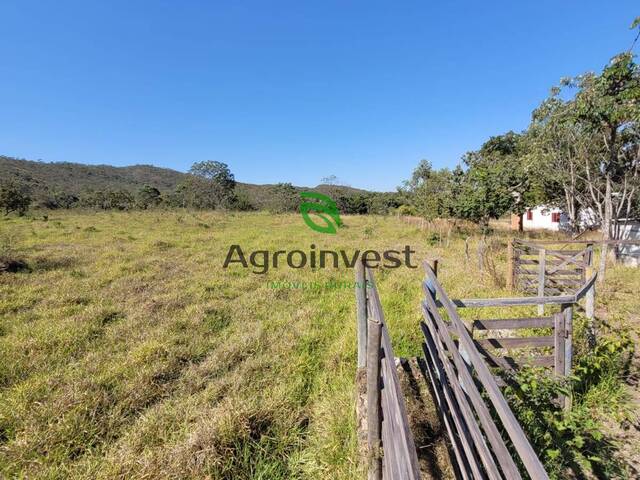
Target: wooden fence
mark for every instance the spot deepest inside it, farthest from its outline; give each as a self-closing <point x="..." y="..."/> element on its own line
<point x="469" y="398"/>
<point x="489" y="346"/>
<point x="535" y="269"/>
<point x="486" y="439"/>
<point x="391" y="447"/>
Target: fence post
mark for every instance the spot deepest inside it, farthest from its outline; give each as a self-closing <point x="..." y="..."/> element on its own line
<point x="542" y="261"/>
<point x="361" y="309"/>
<point x="510" y="266"/>
<point x="589" y="255"/>
<point x="558" y="349"/>
<point x="590" y="297"/>
<point x="374" y="412"/>
<point x="433" y="263"/>
<point x="590" y="307"/>
<point x="567" y="313"/>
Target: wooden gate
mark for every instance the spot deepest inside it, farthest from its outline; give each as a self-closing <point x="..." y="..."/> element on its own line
<point x="539" y="270"/>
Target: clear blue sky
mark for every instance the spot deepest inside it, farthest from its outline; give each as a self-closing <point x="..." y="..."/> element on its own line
<point x="287" y="90"/>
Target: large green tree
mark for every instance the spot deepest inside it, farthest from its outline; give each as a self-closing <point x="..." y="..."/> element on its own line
<point x="283" y="198"/>
<point x="213" y="180"/>
<point x="586" y="146"/>
<point x="14" y="197"/>
<point x="148" y="197"/>
<point x="498" y="180"/>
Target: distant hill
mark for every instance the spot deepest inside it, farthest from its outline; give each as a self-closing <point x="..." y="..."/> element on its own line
<point x="74" y="178"/>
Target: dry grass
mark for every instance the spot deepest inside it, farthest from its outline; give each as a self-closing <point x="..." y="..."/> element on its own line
<point x="128" y="352"/>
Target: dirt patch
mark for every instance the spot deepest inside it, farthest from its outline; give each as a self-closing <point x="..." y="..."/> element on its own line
<point x="430" y="435"/>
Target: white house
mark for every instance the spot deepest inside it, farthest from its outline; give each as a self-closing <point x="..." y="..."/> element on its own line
<point x="545" y="218"/>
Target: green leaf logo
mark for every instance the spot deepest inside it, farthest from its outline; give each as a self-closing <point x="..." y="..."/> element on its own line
<point x="324" y="207"/>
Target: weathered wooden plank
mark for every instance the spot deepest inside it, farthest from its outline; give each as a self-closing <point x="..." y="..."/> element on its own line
<point x="558" y="320"/>
<point x="520" y="442"/>
<point x="458" y="418"/>
<point x="396" y="414"/>
<point x="590" y="304"/>
<point x="439" y="385"/>
<point x="393" y="453"/>
<point x="361" y="314"/>
<point x="565" y="282"/>
<point x="585" y="288"/>
<point x="463" y="396"/>
<point x="567" y="311"/>
<point x="559" y="273"/>
<point x="404" y="436"/>
<point x="563" y="253"/>
<point x="509" y="301"/>
<point x="520" y="342"/>
<point x="513" y="323"/>
<point x="548" y="291"/>
<point x="389" y="464"/>
<point x="573" y="260"/>
<point x="374" y="414"/>
<point x="542" y="265"/>
<point x="571" y="241"/>
<point x="433" y="318"/>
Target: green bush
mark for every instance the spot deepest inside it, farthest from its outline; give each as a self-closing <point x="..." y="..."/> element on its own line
<point x="572" y="443"/>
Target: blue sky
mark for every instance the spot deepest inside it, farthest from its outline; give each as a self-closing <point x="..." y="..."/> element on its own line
<point x="287" y="90"/>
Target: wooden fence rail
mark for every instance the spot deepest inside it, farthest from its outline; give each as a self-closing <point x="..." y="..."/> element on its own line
<point x="468" y="395"/>
<point x="392" y="451"/>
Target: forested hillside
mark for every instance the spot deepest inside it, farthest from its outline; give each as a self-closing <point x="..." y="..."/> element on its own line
<point x="75" y="177"/>
<point x="65" y="184"/>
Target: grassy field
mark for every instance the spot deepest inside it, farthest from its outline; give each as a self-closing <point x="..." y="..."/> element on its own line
<point x="127" y="351"/>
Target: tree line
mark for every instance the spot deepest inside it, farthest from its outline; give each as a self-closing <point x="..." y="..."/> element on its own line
<point x="581" y="152"/>
<point x="208" y="185"/>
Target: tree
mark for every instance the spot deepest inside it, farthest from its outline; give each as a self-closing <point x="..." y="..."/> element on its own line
<point x="14" y="197"/>
<point x="283" y="198"/>
<point x="429" y="192"/>
<point x="498" y="180"/>
<point x="58" y="199"/>
<point x="352" y="204"/>
<point x="609" y="107"/>
<point x="108" y="199"/>
<point x="332" y="180"/>
<point x="559" y="147"/>
<point x="194" y="192"/>
<point x="148" y="196"/>
<point x="587" y="148"/>
<point x="220" y="179"/>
